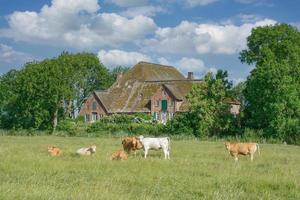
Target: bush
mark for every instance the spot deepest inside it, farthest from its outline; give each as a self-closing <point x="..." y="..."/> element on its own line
<point x="179" y="125"/>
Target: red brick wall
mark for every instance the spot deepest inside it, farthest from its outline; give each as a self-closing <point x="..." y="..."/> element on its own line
<point x="87" y="108"/>
<point x="162" y="94"/>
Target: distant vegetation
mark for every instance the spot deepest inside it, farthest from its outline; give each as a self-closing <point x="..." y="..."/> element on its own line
<point x="43" y="95"/>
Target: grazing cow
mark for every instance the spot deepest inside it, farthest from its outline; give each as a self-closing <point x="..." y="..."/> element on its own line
<point x="86" y="150"/>
<point x="236" y="149"/>
<point x="156" y="143"/>
<point x="119" y="155"/>
<point x="131" y="144"/>
<point x="54" y="151"/>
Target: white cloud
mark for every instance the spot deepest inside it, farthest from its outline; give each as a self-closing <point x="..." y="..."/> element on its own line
<point x="76" y="23"/>
<point x="128" y="3"/>
<point x="246" y="1"/>
<point x="114" y="58"/>
<point x="189" y="37"/>
<point x="194" y="3"/>
<point x="143" y="10"/>
<point x="185" y="65"/>
<point x="9" y="55"/>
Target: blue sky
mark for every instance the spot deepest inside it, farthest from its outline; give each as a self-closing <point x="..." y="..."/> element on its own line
<point x="192" y="35"/>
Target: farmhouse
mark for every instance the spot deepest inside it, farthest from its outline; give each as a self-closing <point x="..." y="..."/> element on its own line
<point x="150" y="88"/>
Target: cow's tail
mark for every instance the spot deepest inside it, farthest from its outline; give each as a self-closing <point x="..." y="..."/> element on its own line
<point x="258" y="149"/>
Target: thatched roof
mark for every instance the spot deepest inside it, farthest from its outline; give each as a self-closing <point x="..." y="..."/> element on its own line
<point x="133" y="90"/>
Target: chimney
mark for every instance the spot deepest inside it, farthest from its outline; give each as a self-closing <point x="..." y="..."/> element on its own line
<point x="190" y="75"/>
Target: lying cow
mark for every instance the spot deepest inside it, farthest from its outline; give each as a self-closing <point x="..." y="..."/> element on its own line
<point x="86" y="150"/>
<point x="131" y="144"/>
<point x="236" y="149"/>
<point x="54" y="151"/>
<point x="156" y="143"/>
<point x="119" y="155"/>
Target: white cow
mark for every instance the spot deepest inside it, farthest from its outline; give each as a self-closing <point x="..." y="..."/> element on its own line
<point x="156" y="143"/>
<point x="86" y="150"/>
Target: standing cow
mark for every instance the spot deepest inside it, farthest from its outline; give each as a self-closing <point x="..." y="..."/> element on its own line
<point x="156" y="143"/>
<point x="131" y="144"/>
<point x="236" y="149"/>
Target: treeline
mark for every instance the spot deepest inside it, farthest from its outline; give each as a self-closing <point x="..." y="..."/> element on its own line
<point x="41" y="94"/>
<point x="270" y="97"/>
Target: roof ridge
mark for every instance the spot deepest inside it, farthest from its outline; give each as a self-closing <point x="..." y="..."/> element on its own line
<point x="159" y="65"/>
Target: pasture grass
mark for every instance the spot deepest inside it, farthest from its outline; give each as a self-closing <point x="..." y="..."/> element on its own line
<point x="197" y="170"/>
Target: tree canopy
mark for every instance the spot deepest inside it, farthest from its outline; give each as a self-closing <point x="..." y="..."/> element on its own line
<point x="272" y="89"/>
<point x="209" y="111"/>
<point x="42" y="92"/>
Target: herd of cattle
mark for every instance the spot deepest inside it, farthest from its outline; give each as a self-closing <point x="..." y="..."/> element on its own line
<point x="132" y="144"/>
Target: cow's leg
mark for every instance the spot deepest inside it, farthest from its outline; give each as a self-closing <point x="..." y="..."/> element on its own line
<point x="145" y="154"/>
<point x="168" y="154"/>
<point x="251" y="157"/>
<point x="165" y="153"/>
<point x="236" y="158"/>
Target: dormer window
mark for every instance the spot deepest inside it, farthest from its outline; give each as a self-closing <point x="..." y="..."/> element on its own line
<point x="94" y="105"/>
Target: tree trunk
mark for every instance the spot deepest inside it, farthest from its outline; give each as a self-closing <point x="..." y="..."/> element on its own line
<point x="54" y="121"/>
<point x="68" y="112"/>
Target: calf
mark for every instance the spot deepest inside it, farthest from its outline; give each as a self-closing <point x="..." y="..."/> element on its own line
<point x="86" y="150"/>
<point x="119" y="155"/>
<point x="236" y="149"/>
<point x="131" y="144"/>
<point x="54" y="151"/>
<point x="156" y="143"/>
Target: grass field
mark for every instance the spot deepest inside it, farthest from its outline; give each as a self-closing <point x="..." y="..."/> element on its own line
<point x="197" y="170"/>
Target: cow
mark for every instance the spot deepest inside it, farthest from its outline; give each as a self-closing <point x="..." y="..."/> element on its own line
<point x="86" y="150"/>
<point x="54" y="151"/>
<point x="131" y="144"/>
<point x="156" y="143"/>
<point x="236" y="149"/>
<point x="119" y="155"/>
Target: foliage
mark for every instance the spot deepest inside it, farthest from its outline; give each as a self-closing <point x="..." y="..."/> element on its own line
<point x="118" y="70"/>
<point x="209" y="112"/>
<point x="125" y="128"/>
<point x="273" y="88"/>
<point x="181" y="124"/>
<point x="42" y="93"/>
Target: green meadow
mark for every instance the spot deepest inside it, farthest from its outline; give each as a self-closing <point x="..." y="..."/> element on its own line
<point x="196" y="170"/>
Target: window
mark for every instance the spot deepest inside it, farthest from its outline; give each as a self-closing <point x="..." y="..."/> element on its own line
<point x="94" y="105"/>
<point x="155" y="115"/>
<point x="171" y="103"/>
<point x="94" y="116"/>
<point x="157" y="103"/>
<point x="87" y="117"/>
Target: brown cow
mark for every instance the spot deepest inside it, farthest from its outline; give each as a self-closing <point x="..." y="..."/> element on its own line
<point x="119" y="155"/>
<point x="54" y="151"/>
<point x="131" y="144"/>
<point x="242" y="148"/>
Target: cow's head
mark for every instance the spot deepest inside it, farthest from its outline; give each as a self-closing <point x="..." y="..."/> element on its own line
<point x="138" y="144"/>
<point x="50" y="148"/>
<point x="227" y="145"/>
<point x="92" y="149"/>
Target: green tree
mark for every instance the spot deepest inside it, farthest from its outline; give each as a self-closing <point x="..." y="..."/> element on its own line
<point x="7" y="94"/>
<point x="273" y="88"/>
<point x="47" y="91"/>
<point x="209" y="111"/>
<point x="118" y="70"/>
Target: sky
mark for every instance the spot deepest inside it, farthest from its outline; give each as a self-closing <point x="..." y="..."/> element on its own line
<point x="192" y="35"/>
